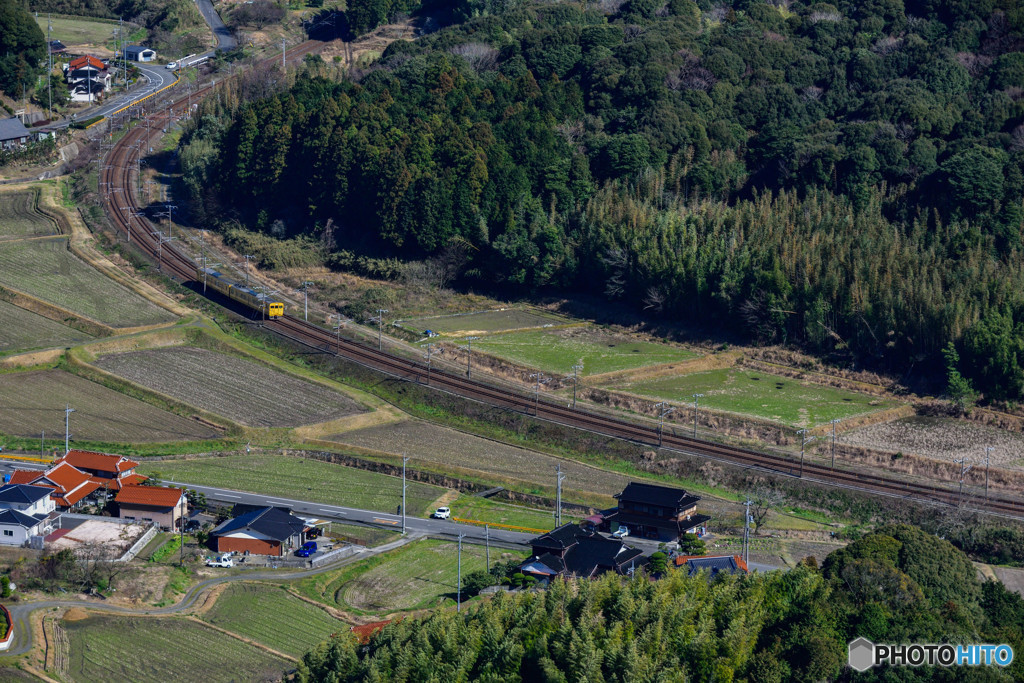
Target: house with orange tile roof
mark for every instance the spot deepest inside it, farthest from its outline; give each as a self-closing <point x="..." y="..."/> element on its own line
<point x="160" y="504"/>
<point x="70" y="485"/>
<point x="109" y="471"/>
<point x="87" y="78"/>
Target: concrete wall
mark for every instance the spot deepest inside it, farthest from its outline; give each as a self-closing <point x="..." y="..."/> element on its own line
<point x="253" y="545"/>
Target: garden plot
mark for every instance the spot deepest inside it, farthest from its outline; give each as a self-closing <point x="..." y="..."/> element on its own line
<point x="46" y="269"/>
<point x="23" y="330"/>
<point x="300" y="479"/>
<point x="271" y="616"/>
<point x="770" y="397"/>
<point x="941" y="438"/>
<point x="556" y="351"/>
<point x="484" y="322"/>
<point x="242" y="391"/>
<point x="20" y="218"/>
<point x="138" y="649"/>
<point x="33" y="402"/>
<point x="429" y="442"/>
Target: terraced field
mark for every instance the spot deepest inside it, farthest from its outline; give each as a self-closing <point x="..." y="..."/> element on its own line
<point x="300" y="479"/>
<point x="139" y="649"/>
<point x="425" y="441"/>
<point x="20" y="218"/>
<point x="33" y="402"/>
<point x="245" y="392"/>
<point x="271" y="616"/>
<point x="556" y="351"/>
<point x="23" y="330"/>
<point x="46" y="269"/>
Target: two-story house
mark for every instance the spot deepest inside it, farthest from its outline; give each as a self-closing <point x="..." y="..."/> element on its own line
<point x="25" y="511"/>
<point x="109" y="471"/>
<point x="160" y="504"/>
<point x="660" y="513"/>
<point x="70" y="485"/>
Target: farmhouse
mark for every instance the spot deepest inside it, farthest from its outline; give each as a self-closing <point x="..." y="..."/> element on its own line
<point x="266" y="531"/>
<point x="13" y="133"/>
<point x="70" y="485"/>
<point x="713" y="564"/>
<point x="87" y="78"/>
<point x="160" y="504"/>
<point x="571" y="550"/>
<point x="25" y="511"/>
<point x="661" y="513"/>
<point x="109" y="471"/>
<point x="137" y="53"/>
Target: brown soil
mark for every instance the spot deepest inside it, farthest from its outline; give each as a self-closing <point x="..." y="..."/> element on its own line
<point x="76" y="614"/>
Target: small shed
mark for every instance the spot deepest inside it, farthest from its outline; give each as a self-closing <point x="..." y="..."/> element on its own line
<point x="137" y="53"/>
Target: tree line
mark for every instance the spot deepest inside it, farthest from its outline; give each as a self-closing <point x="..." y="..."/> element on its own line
<point x="898" y="585"/>
<point x="846" y="177"/>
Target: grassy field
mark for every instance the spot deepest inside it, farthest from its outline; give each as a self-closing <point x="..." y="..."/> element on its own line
<point x="746" y="392"/>
<point x="269" y="615"/>
<point x="21" y="218"/>
<point x="24" y="330"/>
<point x="79" y="30"/>
<point x="484" y="321"/>
<point x="110" y="648"/>
<point x="485" y="510"/>
<point x="370" y="536"/>
<point x="31" y="402"/>
<point x="432" y="443"/>
<point x="300" y="479"/>
<point x="242" y="391"/>
<point x="557" y="350"/>
<point x="47" y="270"/>
<point x="420" y="575"/>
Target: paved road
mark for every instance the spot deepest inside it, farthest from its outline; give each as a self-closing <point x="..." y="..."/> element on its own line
<point x="225" y="41"/>
<point x="157" y="77"/>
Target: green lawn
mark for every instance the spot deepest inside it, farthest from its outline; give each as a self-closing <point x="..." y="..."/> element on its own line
<point x="556" y="351"/>
<point x="485" y="510"/>
<point x="420" y="575"/>
<point x="79" y="30"/>
<point x="269" y="615"/>
<point x="300" y="479"/>
<point x="137" y="649"/>
<point x="746" y="392"/>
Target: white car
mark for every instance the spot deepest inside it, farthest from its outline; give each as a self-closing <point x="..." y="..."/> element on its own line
<point x="442" y="513"/>
<point x="172" y="65"/>
<point x="224" y="561"/>
<point x="621" y="532"/>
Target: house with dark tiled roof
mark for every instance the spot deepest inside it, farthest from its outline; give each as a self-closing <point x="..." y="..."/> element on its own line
<point x="160" y="504"/>
<point x="660" y="513"/>
<point x="109" y="471"/>
<point x="138" y="53"/>
<point x="25" y="511"/>
<point x="13" y="133"/>
<point x="571" y="550"/>
<point x="264" y="531"/>
<point x="713" y="564"/>
<point x="70" y="485"/>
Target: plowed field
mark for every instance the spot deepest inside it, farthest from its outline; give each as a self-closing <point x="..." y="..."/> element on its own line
<point x="245" y="392"/>
<point x="20" y="218"/>
<point x="23" y="330"/>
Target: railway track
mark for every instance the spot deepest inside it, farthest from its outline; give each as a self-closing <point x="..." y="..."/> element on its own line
<point x="174" y="263"/>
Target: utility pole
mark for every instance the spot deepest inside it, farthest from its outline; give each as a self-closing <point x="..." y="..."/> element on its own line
<point x="487" y="544"/>
<point x="469" y="356"/>
<point x="559" y="478"/>
<point x="337" y="328"/>
<point x="170" y="221"/>
<point x="379" y="319"/>
<point x="834" y="423"/>
<point x="458" y="602"/>
<point x="160" y="248"/>
<point x="305" y="299"/>
<point x="664" y="409"/>
<point x="430" y="352"/>
<point x="804" y="440"/>
<point x="536" y="392"/>
<point x="964" y="468"/>
<point x="404" y="461"/>
<point x="206" y="266"/>
<point x="696" y="406"/>
<point x="746" y="531"/>
<point x="132" y="213"/>
<point x="67" y="426"/>
<point x="247" y="257"/>
<point x="49" y="64"/>
<point x="988" y="452"/>
<point x="284" y="52"/>
<point x="576" y="370"/>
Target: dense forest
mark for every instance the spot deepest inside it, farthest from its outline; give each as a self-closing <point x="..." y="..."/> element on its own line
<point x="844" y="177"/>
<point x="22" y="49"/>
<point x="899" y="585"/>
<point x="170" y="23"/>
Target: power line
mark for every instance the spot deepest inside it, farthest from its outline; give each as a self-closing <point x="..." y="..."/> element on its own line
<point x="696" y="407"/>
<point x="541" y="379"/>
<point x="469" y="356"/>
<point x="559" y="478"/>
<point x="576" y="370"/>
<point x="664" y="409"/>
<point x="67" y="426"/>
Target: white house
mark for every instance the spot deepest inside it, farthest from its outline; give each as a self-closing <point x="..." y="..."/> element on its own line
<point x="25" y="511"/>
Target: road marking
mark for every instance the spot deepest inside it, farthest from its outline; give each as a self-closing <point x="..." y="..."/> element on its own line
<point x="386" y="521"/>
<point x="333" y="512"/>
<point x="229" y="496"/>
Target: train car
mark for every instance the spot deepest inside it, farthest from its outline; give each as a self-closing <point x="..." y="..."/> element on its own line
<point x="237" y="291"/>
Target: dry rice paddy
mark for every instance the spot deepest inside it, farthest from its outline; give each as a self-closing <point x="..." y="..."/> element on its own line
<point x="23" y="330"/>
<point x="243" y="391"/>
<point x="33" y="402"/>
<point x="942" y="439"/>
<point x="20" y="218"/>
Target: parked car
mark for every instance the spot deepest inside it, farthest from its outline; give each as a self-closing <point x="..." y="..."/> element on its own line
<point x="621" y="532"/>
<point x="172" y="65"/>
<point x="442" y="513"/>
<point x="307" y="549"/>
<point x="223" y="561"/>
<point x="315" y="532"/>
<point x="193" y="525"/>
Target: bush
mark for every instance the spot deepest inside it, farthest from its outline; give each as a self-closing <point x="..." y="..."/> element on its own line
<point x="517" y="580"/>
<point x="474" y="582"/>
<point x="5" y="586"/>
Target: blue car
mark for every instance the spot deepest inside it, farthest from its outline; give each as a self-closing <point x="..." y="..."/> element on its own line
<point x="307" y="549"/>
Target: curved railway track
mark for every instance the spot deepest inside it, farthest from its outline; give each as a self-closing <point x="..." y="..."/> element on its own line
<point x="118" y="173"/>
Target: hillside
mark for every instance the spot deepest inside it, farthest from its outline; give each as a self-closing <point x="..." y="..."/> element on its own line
<point x="844" y="177"/>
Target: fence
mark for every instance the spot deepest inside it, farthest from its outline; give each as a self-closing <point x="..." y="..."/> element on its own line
<point x="5" y="642"/>
<point x="139" y="544"/>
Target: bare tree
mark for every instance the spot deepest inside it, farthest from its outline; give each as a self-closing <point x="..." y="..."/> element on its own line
<point x="479" y="56"/>
<point x="616" y="261"/>
<point x="765" y="497"/>
<point x="654" y="299"/>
